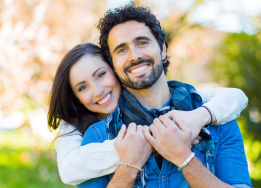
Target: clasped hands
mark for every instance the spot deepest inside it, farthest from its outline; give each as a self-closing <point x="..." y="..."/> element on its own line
<point x="170" y="135"/>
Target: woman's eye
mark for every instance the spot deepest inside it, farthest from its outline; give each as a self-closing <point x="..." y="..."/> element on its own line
<point x="82" y="88"/>
<point x="101" y="75"/>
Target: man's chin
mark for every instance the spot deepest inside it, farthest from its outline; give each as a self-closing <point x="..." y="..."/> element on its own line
<point x="138" y="85"/>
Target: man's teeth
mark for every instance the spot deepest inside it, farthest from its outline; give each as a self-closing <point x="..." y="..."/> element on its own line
<point x="139" y="69"/>
<point x="105" y="99"/>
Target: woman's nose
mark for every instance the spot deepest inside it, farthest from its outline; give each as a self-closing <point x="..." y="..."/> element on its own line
<point x="97" y="90"/>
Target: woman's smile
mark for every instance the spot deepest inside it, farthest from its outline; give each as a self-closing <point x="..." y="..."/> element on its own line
<point x="105" y="100"/>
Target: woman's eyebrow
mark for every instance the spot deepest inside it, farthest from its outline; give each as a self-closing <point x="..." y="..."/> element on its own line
<point x="93" y="74"/>
<point x="80" y="83"/>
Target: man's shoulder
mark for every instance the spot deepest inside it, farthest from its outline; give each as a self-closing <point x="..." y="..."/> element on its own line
<point x="99" y="124"/>
<point x="228" y="132"/>
<point x="96" y="132"/>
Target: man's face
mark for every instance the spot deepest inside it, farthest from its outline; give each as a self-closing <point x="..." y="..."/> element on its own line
<point x="136" y="55"/>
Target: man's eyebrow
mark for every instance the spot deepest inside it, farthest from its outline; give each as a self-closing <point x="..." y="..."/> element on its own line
<point x="134" y="40"/>
<point x="118" y="46"/>
<point x="142" y="38"/>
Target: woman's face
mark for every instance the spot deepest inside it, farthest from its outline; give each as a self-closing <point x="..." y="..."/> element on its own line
<point x="95" y="85"/>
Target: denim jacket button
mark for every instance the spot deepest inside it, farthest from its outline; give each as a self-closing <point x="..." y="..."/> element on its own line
<point x="163" y="178"/>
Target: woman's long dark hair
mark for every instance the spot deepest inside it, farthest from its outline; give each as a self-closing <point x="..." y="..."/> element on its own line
<point x="64" y="105"/>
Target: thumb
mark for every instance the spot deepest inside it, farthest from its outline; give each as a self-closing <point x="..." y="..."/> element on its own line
<point x="121" y="133"/>
<point x="170" y="114"/>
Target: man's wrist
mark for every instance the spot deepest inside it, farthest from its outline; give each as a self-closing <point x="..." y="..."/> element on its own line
<point x="132" y="172"/>
<point x="178" y="162"/>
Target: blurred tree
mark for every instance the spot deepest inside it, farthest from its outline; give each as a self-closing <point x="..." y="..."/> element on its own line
<point x="237" y="63"/>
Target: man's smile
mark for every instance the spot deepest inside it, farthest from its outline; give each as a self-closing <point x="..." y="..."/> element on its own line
<point x="139" y="68"/>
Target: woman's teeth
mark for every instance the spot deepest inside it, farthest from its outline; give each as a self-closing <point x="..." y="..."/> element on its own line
<point x="139" y="69"/>
<point x="105" y="99"/>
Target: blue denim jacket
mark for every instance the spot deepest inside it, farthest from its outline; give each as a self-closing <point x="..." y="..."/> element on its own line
<point x="225" y="157"/>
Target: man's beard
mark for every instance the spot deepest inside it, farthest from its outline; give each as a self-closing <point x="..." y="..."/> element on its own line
<point x="146" y="82"/>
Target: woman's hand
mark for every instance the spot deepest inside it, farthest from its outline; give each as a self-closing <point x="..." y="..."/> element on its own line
<point x="195" y="120"/>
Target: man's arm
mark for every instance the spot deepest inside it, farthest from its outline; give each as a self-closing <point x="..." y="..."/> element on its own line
<point x="172" y="141"/>
<point x="133" y="148"/>
<point x="231" y="163"/>
<point x="123" y="177"/>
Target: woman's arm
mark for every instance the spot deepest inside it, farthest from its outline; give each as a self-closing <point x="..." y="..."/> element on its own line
<point x="225" y="103"/>
<point x="78" y="163"/>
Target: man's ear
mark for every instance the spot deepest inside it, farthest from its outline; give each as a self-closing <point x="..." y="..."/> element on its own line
<point x="164" y="51"/>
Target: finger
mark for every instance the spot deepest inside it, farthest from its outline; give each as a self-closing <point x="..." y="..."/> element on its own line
<point x="154" y="131"/>
<point x="132" y="127"/>
<point x="170" y="114"/>
<point x="149" y="137"/>
<point x="181" y="124"/>
<point x="199" y="137"/>
<point x="121" y="133"/>
<point x="160" y="126"/>
<point x="195" y="142"/>
<point x="139" y="130"/>
<point x="168" y="123"/>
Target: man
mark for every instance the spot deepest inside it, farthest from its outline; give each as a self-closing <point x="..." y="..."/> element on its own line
<point x="136" y="46"/>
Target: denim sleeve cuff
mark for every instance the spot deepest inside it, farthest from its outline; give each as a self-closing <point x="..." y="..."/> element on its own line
<point x="241" y="186"/>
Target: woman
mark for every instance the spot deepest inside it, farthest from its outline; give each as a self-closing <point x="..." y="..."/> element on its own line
<point x="85" y="90"/>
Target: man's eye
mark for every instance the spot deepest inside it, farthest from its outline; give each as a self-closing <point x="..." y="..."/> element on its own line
<point x="121" y="51"/>
<point x="142" y="43"/>
<point x="101" y="75"/>
<point x="82" y="88"/>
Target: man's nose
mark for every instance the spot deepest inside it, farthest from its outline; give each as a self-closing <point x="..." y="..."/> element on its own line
<point x="134" y="55"/>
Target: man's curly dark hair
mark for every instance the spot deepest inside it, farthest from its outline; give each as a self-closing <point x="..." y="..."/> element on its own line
<point x="131" y="12"/>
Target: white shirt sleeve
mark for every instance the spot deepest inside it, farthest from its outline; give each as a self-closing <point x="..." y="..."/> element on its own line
<point x="226" y="103"/>
<point x="78" y="163"/>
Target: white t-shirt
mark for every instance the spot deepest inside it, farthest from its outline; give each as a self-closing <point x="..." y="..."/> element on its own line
<point x="78" y="163"/>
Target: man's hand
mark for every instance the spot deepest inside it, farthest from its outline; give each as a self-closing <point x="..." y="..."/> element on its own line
<point x="171" y="139"/>
<point x="132" y="147"/>
<point x="195" y="119"/>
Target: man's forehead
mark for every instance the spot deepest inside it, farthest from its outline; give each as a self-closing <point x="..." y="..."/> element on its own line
<point x="126" y="32"/>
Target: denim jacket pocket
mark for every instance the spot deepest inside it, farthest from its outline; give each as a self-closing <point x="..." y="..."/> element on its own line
<point x="205" y="151"/>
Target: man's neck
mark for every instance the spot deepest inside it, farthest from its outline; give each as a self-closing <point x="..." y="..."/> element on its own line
<point x="155" y="96"/>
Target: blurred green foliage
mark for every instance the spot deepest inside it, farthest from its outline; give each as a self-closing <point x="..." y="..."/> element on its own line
<point x="23" y="164"/>
<point x="237" y="63"/>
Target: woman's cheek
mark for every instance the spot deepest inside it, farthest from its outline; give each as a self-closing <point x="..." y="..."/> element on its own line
<point x="112" y="80"/>
<point x="85" y="99"/>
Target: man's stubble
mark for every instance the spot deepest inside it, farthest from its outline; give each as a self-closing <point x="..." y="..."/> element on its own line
<point x="143" y="82"/>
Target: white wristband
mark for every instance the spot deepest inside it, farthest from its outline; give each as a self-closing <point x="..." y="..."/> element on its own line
<point x="186" y="161"/>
